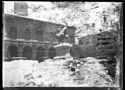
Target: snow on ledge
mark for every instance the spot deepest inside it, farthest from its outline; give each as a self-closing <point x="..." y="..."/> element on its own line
<point x="63" y="44"/>
<point x="67" y="55"/>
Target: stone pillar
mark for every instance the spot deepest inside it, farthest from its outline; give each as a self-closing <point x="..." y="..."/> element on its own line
<point x="47" y="53"/>
<point x="34" y="53"/>
<point x="5" y="50"/>
<point x="46" y="47"/>
<point x="20" y="49"/>
<point x="20" y="52"/>
<point x="5" y="53"/>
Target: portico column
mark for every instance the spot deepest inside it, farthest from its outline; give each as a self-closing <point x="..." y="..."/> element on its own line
<point x="20" y="52"/>
<point x="34" y="54"/>
<point x="5" y="50"/>
<point x="20" y="49"/>
<point x="47" y="53"/>
<point x="46" y="47"/>
<point x="5" y="53"/>
<point x="34" y="51"/>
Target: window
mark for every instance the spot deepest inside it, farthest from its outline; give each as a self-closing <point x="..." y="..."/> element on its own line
<point x="39" y="35"/>
<point x="13" y="32"/>
<point x="27" y="34"/>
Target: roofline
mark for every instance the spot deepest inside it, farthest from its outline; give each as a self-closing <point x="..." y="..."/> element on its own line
<point x="34" y="19"/>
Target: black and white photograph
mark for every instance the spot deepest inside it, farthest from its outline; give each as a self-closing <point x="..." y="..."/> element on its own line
<point x="62" y="44"/>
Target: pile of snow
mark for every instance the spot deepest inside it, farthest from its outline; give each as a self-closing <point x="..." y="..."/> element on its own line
<point x="14" y="71"/>
<point x="56" y="73"/>
<point x="30" y="73"/>
<point x="63" y="44"/>
<point x="94" y="73"/>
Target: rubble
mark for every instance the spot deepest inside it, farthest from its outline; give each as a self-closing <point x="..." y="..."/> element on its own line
<point x="61" y="31"/>
<point x="67" y="72"/>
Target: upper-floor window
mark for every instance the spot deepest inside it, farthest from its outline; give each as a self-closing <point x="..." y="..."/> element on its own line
<point x="27" y="34"/>
<point x="39" y="35"/>
<point x="12" y="33"/>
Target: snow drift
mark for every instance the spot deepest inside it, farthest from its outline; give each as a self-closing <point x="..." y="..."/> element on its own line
<point x="66" y="72"/>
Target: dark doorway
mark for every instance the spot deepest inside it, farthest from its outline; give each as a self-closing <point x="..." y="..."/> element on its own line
<point x="12" y="51"/>
<point x="52" y="52"/>
<point x="27" y="52"/>
<point x="40" y="53"/>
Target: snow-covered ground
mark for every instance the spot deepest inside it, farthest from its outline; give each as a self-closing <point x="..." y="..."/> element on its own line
<point x="56" y="73"/>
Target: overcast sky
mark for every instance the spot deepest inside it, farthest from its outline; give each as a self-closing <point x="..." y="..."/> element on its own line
<point x="58" y="15"/>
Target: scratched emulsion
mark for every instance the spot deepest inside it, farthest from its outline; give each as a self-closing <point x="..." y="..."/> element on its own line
<point x="82" y="42"/>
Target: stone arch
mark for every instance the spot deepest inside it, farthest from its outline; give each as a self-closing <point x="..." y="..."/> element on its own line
<point x="40" y="53"/>
<point x="12" y="51"/>
<point x="26" y="45"/>
<point x="12" y="44"/>
<point x="27" y="52"/>
<point x="52" y="52"/>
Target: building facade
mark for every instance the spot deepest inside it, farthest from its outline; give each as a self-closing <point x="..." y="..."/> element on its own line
<point x="101" y="44"/>
<point x="87" y="45"/>
<point x="33" y="39"/>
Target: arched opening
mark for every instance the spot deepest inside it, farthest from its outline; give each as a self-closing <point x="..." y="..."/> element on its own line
<point x="12" y="33"/>
<point x="27" y="34"/>
<point x="39" y="35"/>
<point x="52" y="52"/>
<point x="27" y="52"/>
<point x="40" y="53"/>
<point x="12" y="51"/>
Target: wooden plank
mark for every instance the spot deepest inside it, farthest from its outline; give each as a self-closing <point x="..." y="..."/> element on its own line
<point x="110" y="45"/>
<point x="106" y="36"/>
<point x="102" y="41"/>
<point x="111" y="52"/>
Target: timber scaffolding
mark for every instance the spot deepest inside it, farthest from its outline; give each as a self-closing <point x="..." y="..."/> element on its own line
<point x="107" y="44"/>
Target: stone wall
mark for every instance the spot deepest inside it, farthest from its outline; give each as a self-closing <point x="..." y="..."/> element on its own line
<point x="88" y="46"/>
<point x="46" y="30"/>
<point x="45" y="36"/>
<point x="101" y="44"/>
